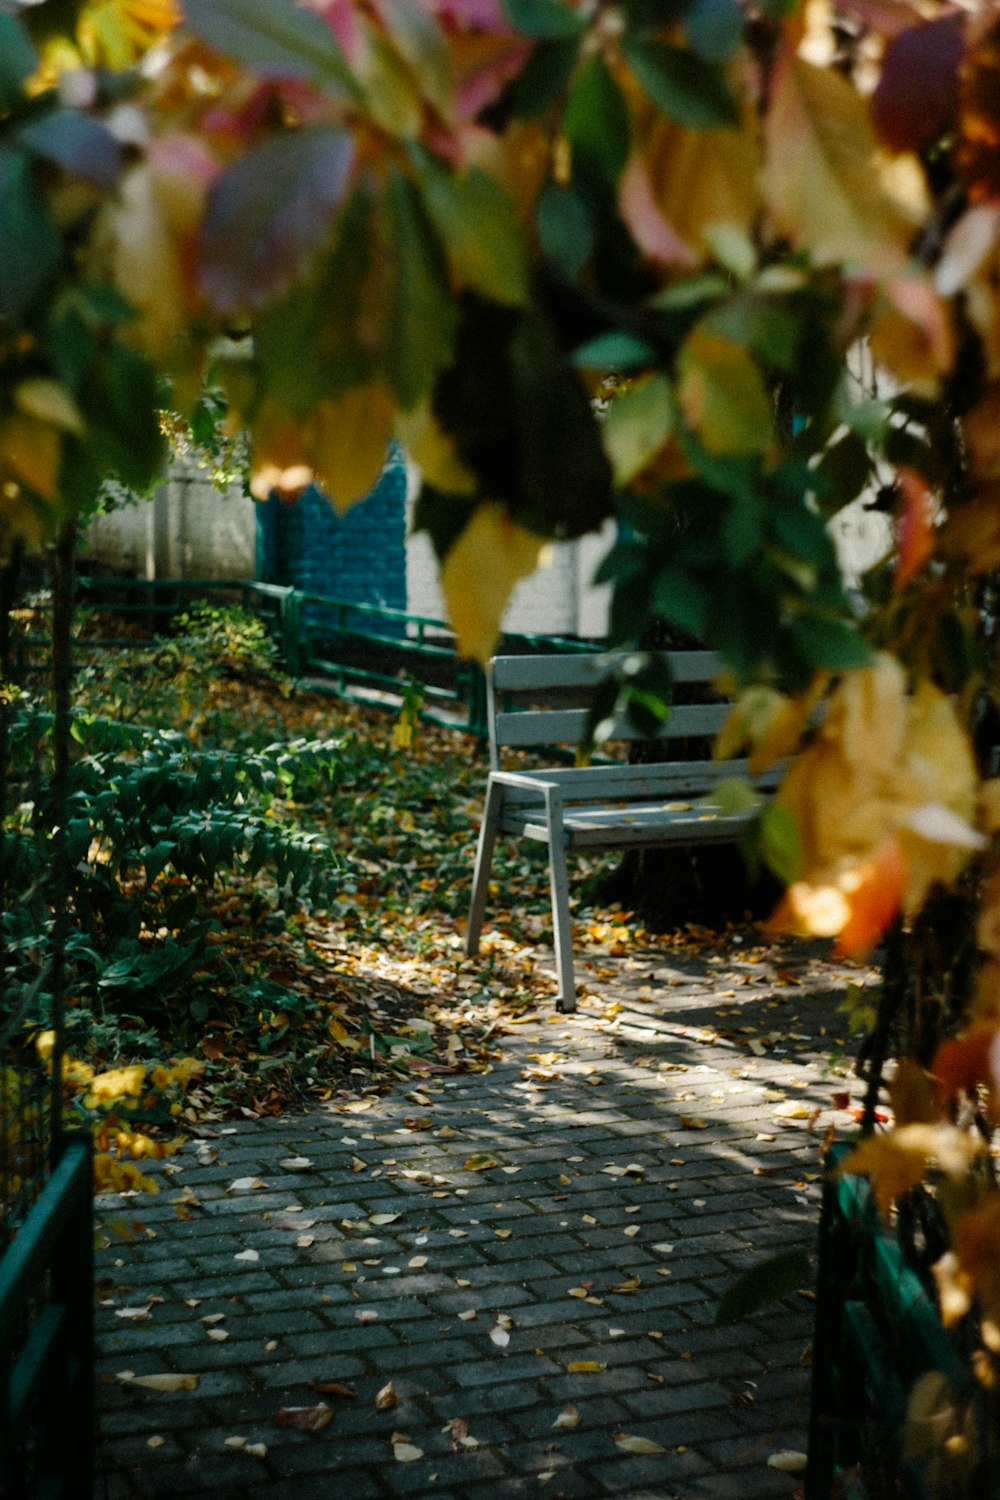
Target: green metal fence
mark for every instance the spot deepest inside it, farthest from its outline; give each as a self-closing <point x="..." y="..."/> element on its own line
<point x="46" y="1174"/>
<point x="878" y="1331"/>
<point x="355" y="651"/>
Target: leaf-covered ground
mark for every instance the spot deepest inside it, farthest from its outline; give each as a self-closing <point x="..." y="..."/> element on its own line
<point x="294" y="1002"/>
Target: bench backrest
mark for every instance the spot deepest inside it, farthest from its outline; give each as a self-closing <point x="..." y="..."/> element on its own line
<point x="534" y="679"/>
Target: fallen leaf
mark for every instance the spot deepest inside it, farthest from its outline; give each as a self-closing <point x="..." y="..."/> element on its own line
<point x="305" y="1418"/>
<point x="366" y="1315"/>
<point x="256" y="1450"/>
<point x="234" y="1442"/>
<point x="792" y="1109"/>
<point x="386" y="1398"/>
<point x="403" y="1451"/>
<point x="584" y="1367"/>
<point x="693" y="1122"/>
<point x="417" y="1263"/>
<point x="382" y="1219"/>
<point x="788" y="1461"/>
<point x="332" y="1388"/>
<point x="480" y="1163"/>
<point x="305" y="1240"/>
<point x="630" y="1444"/>
<point x="165" y="1383"/>
<point x="500" y="1337"/>
<point x="568" y="1417"/>
<point x="246" y="1185"/>
<point x="296" y="1164"/>
<point x="156" y="1441"/>
<point x="249" y="1255"/>
<point x="468" y="1316"/>
<point x="134" y="1314"/>
<point x="217" y="1335"/>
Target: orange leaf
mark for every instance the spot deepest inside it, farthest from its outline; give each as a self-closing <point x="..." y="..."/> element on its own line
<point x="964" y="1062"/>
<point x="914" y="527"/>
<point x="874" y="901"/>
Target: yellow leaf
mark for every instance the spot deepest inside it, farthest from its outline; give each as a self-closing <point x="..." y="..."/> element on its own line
<point x="433" y="452"/>
<point x="585" y="1367"/>
<point x="50" y="402"/>
<point x="722" y="395"/>
<point x="132" y="240"/>
<point x="117" y="1082"/>
<point x="32" y="451"/>
<point x="347" y="441"/>
<point x="897" y="1161"/>
<point x="696" y="179"/>
<point x="479" y="573"/>
<point x="821" y="175"/>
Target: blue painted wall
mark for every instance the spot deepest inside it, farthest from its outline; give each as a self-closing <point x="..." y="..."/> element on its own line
<point x="359" y="556"/>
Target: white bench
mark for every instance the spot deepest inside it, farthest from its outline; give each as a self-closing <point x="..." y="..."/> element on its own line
<point x="597" y="806"/>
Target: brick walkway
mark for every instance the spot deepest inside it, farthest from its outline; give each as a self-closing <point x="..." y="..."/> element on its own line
<point x="632" y="1159"/>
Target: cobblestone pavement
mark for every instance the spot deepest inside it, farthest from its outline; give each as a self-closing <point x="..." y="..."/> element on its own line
<point x="532" y="1256"/>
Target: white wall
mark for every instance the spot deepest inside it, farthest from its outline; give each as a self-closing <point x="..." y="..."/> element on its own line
<point x="189" y="529"/>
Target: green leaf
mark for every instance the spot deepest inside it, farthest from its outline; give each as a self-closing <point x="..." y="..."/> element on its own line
<point x="637" y="424"/>
<point x="741" y="530"/>
<point x="32" y="246"/>
<point x="596" y="122"/>
<point x="270" y="214"/>
<point x="123" y="417"/>
<point x="423" y="317"/>
<point x="828" y="642"/>
<point x="550" y="19"/>
<point x="274" y="39"/>
<point x="714" y="28"/>
<point x="18" y="60"/>
<point x="781" y="843"/>
<point x="734" y="795"/>
<point x="763" y="1284"/>
<point x="771" y="331"/>
<point x="681" y="599"/>
<point x="544" y="76"/>
<point x="615" y="350"/>
<point x="81" y="146"/>
<point x="307" y="343"/>
<point x="478" y="225"/>
<point x="678" y="81"/>
<point x="565" y="227"/>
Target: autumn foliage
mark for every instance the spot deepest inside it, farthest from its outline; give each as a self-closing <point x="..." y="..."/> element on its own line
<point x="445" y="222"/>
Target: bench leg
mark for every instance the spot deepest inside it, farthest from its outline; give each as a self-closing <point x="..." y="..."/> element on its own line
<point x="484" y="864"/>
<point x="561" y="924"/>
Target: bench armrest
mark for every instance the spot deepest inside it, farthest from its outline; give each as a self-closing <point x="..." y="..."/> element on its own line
<point x="520" y="782"/>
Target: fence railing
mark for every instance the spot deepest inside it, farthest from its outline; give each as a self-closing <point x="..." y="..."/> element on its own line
<point x="878" y="1332"/>
<point x="353" y="650"/>
<point x="46" y="1193"/>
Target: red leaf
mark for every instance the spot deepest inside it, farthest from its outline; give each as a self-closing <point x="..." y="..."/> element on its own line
<point x="917" y="93"/>
<point x="914" y="527"/>
<point x="270" y="214"/>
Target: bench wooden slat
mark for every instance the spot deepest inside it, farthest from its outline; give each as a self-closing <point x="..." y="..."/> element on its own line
<point x="523" y="673"/>
<point x="632" y="783"/>
<point x="567" y="726"/>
